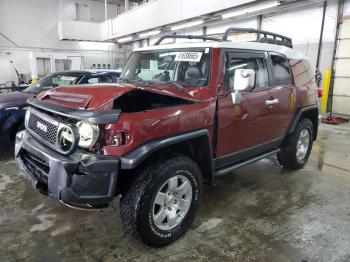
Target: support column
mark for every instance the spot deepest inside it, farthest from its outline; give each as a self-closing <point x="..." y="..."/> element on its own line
<point x="126" y="5"/>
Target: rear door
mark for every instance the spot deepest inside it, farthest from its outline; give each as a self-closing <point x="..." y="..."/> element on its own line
<point x="249" y="124"/>
<point x="283" y="94"/>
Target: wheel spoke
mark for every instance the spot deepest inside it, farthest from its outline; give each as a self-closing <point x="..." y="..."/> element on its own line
<point x="172" y="184"/>
<point x="300" y="154"/>
<point x="184" y="188"/>
<point x="159" y="218"/>
<point x="184" y="204"/>
<point x="160" y="198"/>
<point x="172" y="218"/>
<point x="172" y="202"/>
<point x="303" y="144"/>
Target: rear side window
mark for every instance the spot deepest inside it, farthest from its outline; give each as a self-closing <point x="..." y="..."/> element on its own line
<point x="281" y="70"/>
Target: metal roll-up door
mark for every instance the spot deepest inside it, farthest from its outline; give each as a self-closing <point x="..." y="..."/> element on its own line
<point x="341" y="88"/>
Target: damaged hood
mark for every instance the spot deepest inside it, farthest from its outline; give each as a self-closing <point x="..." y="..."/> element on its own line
<point x="93" y="97"/>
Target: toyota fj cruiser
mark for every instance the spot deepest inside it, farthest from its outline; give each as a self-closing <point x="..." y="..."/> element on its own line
<point x="153" y="138"/>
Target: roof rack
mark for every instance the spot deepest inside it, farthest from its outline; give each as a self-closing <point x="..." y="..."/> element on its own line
<point x="268" y="37"/>
<point x="187" y="37"/>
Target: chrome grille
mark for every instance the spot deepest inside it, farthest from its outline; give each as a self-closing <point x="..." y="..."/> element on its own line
<point x="35" y="121"/>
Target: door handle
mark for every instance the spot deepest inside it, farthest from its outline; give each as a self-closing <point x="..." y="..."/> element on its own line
<point x="272" y="102"/>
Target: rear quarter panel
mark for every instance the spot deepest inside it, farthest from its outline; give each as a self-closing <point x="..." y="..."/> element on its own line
<point x="304" y="79"/>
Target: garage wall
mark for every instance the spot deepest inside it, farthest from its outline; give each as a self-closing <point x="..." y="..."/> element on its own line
<point x="347" y="8"/>
<point x="341" y="94"/>
<point x="31" y="27"/>
<point x="68" y="10"/>
<point x="162" y="12"/>
<point x="34" y="23"/>
<point x="341" y="86"/>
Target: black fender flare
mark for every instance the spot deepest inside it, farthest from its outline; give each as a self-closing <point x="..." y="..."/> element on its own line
<point x="298" y="116"/>
<point x="134" y="158"/>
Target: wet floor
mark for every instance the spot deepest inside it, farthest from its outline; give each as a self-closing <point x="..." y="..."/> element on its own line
<point x="258" y="213"/>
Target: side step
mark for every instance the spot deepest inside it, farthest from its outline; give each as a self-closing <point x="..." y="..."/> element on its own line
<point x="228" y="169"/>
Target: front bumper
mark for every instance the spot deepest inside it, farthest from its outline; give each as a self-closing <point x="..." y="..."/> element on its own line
<point x="80" y="179"/>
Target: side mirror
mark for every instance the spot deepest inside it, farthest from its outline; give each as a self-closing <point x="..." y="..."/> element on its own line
<point x="244" y="79"/>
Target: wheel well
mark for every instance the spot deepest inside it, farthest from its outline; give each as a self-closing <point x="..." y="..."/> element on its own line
<point x="312" y="115"/>
<point x="198" y="149"/>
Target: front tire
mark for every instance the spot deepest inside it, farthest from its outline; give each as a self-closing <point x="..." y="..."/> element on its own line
<point x="161" y="204"/>
<point x="296" y="150"/>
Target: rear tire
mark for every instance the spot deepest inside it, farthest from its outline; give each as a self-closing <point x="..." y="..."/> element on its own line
<point x="161" y="204"/>
<point x="296" y="150"/>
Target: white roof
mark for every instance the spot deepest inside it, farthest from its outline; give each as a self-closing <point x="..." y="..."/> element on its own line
<point x="288" y="52"/>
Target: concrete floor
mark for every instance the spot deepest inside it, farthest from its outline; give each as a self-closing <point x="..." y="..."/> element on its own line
<point x="258" y="213"/>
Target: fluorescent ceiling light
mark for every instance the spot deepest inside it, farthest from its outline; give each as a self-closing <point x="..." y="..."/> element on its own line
<point x="125" y="39"/>
<point x="249" y="10"/>
<point x="187" y="25"/>
<point x="155" y="32"/>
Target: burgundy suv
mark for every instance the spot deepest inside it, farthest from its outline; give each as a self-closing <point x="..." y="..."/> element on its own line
<point x="181" y="115"/>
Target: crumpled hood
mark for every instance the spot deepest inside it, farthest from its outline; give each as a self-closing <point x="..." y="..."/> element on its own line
<point x="92" y="97"/>
<point x="14" y="99"/>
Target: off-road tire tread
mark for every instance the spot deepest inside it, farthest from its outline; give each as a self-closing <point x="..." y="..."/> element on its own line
<point x="130" y="204"/>
<point x="287" y="156"/>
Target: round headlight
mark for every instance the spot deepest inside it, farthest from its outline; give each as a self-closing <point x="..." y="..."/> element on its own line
<point x="26" y="118"/>
<point x="88" y="134"/>
<point x="65" y="139"/>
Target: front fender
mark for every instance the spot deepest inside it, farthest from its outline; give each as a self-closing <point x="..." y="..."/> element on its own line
<point x="200" y="140"/>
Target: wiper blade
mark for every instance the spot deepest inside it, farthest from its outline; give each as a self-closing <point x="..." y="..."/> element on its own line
<point x="127" y="80"/>
<point x="176" y="83"/>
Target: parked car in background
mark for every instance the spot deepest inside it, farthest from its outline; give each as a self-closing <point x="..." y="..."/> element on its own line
<point x="13" y="104"/>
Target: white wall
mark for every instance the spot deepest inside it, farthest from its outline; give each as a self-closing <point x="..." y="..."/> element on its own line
<point x="21" y="61"/>
<point x="347" y="8"/>
<point x="96" y="10"/>
<point x="34" y="23"/>
<point x="162" y="12"/>
<point x="33" y="27"/>
<point x="79" y="30"/>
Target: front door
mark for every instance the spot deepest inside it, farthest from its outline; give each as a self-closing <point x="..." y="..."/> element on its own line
<point x="249" y="124"/>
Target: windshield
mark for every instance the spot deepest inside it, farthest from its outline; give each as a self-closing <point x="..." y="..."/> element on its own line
<point x="183" y="67"/>
<point x="51" y="81"/>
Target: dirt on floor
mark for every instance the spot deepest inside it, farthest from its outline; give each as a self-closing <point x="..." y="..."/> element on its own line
<point x="259" y="213"/>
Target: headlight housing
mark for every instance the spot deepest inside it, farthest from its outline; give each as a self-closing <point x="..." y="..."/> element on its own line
<point x="26" y="118"/>
<point x="88" y="134"/>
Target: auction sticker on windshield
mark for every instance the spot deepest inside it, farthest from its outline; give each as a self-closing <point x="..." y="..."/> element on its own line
<point x="189" y="56"/>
